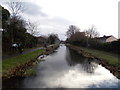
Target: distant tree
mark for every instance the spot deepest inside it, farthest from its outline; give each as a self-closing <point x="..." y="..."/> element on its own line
<point x="30" y="41"/>
<point x="92" y="32"/>
<point x="53" y="38"/>
<point x="72" y="30"/>
<point x="78" y="36"/>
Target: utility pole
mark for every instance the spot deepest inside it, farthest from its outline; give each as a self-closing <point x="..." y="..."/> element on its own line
<point x="87" y="42"/>
<point x="1" y="43"/>
<point x="1" y="55"/>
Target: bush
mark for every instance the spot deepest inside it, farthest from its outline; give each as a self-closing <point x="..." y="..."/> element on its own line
<point x="92" y="43"/>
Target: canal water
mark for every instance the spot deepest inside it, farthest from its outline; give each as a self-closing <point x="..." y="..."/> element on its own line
<point x="65" y="68"/>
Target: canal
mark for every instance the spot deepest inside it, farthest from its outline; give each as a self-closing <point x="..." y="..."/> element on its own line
<point x="65" y="68"/>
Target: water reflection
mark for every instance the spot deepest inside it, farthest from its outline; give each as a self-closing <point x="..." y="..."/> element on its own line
<point x="73" y="58"/>
<point x="67" y="69"/>
<point x="89" y="65"/>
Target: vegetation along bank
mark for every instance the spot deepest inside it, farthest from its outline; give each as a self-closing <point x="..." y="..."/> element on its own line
<point x="106" y="59"/>
<point x="23" y="65"/>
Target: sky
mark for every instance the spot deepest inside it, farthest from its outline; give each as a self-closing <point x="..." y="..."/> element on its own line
<point x="55" y="16"/>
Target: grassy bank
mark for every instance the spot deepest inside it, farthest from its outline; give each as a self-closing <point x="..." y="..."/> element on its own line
<point x="23" y="65"/>
<point x="12" y="53"/>
<point x="11" y="63"/>
<point x="111" y="58"/>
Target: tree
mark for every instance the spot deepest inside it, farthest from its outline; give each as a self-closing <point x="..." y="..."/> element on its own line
<point x="13" y="29"/>
<point x="53" y="38"/>
<point x="5" y="16"/>
<point x="32" y="28"/>
<point x="15" y="25"/>
<point x="17" y="29"/>
<point x="91" y="32"/>
<point x="78" y="36"/>
<point x="72" y="30"/>
<point x="30" y="41"/>
<point x="16" y="8"/>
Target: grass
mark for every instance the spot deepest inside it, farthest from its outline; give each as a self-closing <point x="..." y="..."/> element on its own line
<point x="30" y="72"/>
<point x="8" y="53"/>
<point x="13" y="62"/>
<point x="10" y="63"/>
<point x="109" y="57"/>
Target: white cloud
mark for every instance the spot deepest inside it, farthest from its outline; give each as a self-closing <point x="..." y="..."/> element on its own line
<point x="59" y="14"/>
<point x="101" y="13"/>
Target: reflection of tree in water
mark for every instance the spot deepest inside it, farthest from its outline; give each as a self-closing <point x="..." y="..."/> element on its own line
<point x="73" y="58"/>
<point x="89" y="65"/>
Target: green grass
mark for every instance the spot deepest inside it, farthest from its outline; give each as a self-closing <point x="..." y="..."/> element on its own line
<point x="11" y="53"/>
<point x="30" y="72"/>
<point x="111" y="58"/>
<point x="10" y="63"/>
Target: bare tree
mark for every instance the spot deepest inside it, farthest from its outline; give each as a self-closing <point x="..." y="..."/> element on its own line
<point x="92" y="32"/>
<point x="16" y="7"/>
<point x="78" y="36"/>
<point x="32" y="28"/>
<point x="72" y="30"/>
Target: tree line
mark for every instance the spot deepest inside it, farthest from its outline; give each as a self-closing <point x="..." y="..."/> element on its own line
<point x="87" y="39"/>
<point x="16" y="29"/>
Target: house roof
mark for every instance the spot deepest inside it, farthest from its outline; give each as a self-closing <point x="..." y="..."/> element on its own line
<point x="42" y="37"/>
<point x="104" y="37"/>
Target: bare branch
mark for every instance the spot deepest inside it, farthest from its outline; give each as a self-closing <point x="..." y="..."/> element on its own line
<point x="91" y="32"/>
<point x="32" y="28"/>
<point x="16" y="8"/>
<point x="72" y="30"/>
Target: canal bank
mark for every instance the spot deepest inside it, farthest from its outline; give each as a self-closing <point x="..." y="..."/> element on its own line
<point x="113" y="67"/>
<point x="22" y="65"/>
<point x="65" y="68"/>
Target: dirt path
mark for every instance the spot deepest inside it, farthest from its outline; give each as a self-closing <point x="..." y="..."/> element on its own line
<point x="4" y="57"/>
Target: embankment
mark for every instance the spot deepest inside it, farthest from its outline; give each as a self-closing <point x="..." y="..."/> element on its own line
<point x="17" y="66"/>
<point x="115" y="69"/>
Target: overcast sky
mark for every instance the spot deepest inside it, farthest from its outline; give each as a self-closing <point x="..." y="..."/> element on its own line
<point x="55" y="16"/>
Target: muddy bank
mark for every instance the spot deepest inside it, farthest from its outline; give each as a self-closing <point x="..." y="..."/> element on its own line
<point x="19" y="70"/>
<point x="115" y="70"/>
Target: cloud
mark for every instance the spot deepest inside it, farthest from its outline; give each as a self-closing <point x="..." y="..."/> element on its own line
<point x="59" y="14"/>
<point x="48" y="24"/>
<point x="56" y="25"/>
<point x="33" y="9"/>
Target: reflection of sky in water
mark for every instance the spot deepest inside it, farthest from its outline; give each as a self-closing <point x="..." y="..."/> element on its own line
<point x="56" y="72"/>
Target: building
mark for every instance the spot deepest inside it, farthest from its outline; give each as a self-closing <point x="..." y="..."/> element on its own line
<point x="57" y="41"/>
<point x="105" y="39"/>
<point x="41" y="40"/>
